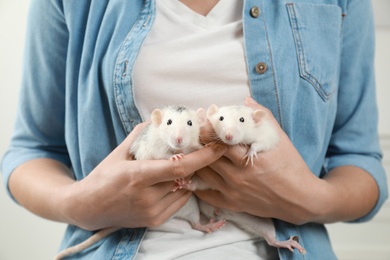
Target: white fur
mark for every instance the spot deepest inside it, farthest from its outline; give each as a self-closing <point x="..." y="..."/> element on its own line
<point x="160" y="139"/>
<point x="244" y="125"/>
<point x="254" y="130"/>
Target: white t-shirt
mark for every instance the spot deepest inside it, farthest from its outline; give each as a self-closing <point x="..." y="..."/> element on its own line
<point x="192" y="60"/>
<point x="188" y="59"/>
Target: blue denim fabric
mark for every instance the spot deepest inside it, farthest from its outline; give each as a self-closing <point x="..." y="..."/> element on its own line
<point x="77" y="104"/>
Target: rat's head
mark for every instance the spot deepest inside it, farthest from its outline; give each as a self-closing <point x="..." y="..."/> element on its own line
<point x="179" y="126"/>
<point x="235" y="124"/>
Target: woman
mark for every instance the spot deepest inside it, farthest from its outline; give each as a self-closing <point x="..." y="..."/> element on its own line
<point x="95" y="69"/>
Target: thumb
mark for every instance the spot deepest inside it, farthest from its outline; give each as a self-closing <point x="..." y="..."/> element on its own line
<point x="124" y="147"/>
<point x="250" y="102"/>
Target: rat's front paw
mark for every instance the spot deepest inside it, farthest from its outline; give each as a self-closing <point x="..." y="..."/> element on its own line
<point x="250" y="157"/>
<point x="177" y="156"/>
<point x="182" y="184"/>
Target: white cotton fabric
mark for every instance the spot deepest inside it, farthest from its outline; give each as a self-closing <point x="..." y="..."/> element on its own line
<point x="193" y="60"/>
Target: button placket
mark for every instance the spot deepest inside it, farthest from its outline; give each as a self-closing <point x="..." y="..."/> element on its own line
<point x="260" y="67"/>
<point x="259" y="56"/>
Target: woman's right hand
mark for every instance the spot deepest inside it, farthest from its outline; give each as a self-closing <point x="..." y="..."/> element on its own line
<point x="124" y="192"/>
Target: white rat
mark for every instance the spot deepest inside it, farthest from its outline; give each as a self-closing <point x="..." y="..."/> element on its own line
<point x="243" y="125"/>
<point x="173" y="132"/>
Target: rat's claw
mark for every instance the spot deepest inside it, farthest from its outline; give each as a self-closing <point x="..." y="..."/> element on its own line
<point x="290" y="244"/>
<point x="177" y="156"/>
<point x="210" y="227"/>
<point x="249" y="158"/>
<point x="182" y="184"/>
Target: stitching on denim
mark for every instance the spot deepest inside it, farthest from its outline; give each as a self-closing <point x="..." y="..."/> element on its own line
<point x="129" y="233"/>
<point x="121" y="64"/>
<point x="301" y="55"/>
<point x="273" y="73"/>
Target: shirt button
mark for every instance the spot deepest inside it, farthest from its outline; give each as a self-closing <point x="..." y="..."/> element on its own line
<point x="261" y="67"/>
<point x="255" y="12"/>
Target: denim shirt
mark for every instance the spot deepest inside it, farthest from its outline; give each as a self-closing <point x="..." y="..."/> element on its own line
<point x="76" y="103"/>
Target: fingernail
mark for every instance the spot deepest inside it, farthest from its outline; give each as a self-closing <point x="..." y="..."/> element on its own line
<point x="249" y="101"/>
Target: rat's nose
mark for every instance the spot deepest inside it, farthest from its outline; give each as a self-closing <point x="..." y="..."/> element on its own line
<point x="229" y="137"/>
<point x="179" y="140"/>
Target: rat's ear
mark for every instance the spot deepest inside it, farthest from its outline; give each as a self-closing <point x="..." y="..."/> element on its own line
<point x="201" y="115"/>
<point x="212" y="110"/>
<point x="157" y="117"/>
<point x="258" y="115"/>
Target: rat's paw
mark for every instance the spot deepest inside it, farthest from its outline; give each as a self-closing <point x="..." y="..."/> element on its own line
<point x="182" y="184"/>
<point x="177" y="156"/>
<point x="212" y="226"/>
<point x="250" y="157"/>
<point x="291" y="244"/>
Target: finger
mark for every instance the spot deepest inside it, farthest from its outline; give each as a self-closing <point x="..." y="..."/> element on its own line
<point x="250" y="102"/>
<point x="162" y="189"/>
<point x="167" y="170"/>
<point x="172" y="197"/>
<point x="162" y="192"/>
<point x="170" y="204"/>
<point x="124" y="147"/>
<point x="213" y="197"/>
<point x="211" y="177"/>
<point x="155" y="211"/>
<point x="236" y="154"/>
<point x="207" y="133"/>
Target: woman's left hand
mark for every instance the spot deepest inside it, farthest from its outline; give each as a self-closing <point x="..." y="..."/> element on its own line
<point x="278" y="184"/>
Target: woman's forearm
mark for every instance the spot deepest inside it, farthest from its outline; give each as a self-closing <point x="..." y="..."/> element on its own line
<point x="352" y="194"/>
<point x="41" y="185"/>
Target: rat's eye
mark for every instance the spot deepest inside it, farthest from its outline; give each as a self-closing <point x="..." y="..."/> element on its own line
<point x="242" y="120"/>
<point x="169" y="122"/>
<point x="221" y="118"/>
<point x="189" y="122"/>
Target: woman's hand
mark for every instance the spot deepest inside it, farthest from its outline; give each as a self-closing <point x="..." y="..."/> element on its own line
<point x="280" y="185"/>
<point x="128" y="193"/>
<point x="119" y="192"/>
<point x="271" y="187"/>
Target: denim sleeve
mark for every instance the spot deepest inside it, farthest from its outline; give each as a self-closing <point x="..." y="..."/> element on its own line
<point x="39" y="127"/>
<point x="355" y="138"/>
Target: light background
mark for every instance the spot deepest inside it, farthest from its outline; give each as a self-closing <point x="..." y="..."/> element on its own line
<point x="25" y="236"/>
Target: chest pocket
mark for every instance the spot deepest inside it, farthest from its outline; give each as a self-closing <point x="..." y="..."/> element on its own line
<point x="317" y="34"/>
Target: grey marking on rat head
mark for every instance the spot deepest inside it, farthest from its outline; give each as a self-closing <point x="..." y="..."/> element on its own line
<point x="180" y="108"/>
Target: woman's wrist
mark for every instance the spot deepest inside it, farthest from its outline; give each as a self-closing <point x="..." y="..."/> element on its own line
<point x="349" y="193"/>
<point x="305" y="199"/>
<point x="83" y="203"/>
<point x="72" y="207"/>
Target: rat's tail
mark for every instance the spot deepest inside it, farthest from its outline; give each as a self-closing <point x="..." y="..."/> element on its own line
<point x="87" y="243"/>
